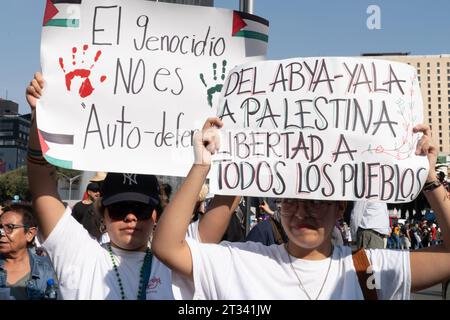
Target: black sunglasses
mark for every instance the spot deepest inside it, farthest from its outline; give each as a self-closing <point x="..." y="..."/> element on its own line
<point x="118" y="211"/>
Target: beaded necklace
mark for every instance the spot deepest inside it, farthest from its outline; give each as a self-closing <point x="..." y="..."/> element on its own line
<point x="147" y="261"/>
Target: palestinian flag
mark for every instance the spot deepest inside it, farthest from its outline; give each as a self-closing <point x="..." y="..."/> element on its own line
<point x="62" y="13"/>
<point x="254" y="30"/>
<point x="250" y="26"/>
<point x="63" y="142"/>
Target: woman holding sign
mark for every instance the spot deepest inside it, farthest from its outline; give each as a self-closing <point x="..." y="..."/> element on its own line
<point x="308" y="266"/>
<point x="124" y="268"/>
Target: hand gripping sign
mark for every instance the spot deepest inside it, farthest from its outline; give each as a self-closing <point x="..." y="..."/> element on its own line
<point x="127" y="81"/>
<point x="320" y="128"/>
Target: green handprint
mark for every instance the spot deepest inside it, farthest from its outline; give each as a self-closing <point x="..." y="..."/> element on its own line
<point x="218" y="87"/>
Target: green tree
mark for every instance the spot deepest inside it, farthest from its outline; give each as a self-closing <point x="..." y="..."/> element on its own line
<point x="13" y="183"/>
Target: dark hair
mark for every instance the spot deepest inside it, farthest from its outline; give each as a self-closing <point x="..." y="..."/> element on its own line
<point x="167" y="190"/>
<point x="197" y="213"/>
<point x="26" y="211"/>
<point x="93" y="186"/>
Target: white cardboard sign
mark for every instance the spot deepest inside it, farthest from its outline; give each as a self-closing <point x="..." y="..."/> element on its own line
<point x="321" y="128"/>
<point x="128" y="81"/>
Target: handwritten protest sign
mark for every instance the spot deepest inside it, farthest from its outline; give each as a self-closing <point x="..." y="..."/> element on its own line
<point x="128" y="81"/>
<point x="321" y="128"/>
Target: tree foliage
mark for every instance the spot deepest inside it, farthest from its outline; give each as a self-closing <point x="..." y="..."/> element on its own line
<point x="15" y="182"/>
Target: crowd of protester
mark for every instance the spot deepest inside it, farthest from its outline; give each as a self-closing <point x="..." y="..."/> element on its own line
<point x="129" y="238"/>
<point x="266" y="228"/>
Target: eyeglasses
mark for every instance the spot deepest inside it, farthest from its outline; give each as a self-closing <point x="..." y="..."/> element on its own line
<point x="289" y="206"/>
<point x="118" y="211"/>
<point x="9" y="227"/>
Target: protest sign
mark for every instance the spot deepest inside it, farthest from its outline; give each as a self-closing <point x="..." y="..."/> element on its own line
<point x="320" y="128"/>
<point x="128" y="81"/>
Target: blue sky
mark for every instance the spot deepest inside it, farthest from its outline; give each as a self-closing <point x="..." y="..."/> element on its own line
<point x="297" y="28"/>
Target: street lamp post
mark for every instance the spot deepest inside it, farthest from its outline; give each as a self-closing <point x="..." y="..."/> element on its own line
<point x="247" y="6"/>
<point x="71" y="180"/>
<point x="70" y="185"/>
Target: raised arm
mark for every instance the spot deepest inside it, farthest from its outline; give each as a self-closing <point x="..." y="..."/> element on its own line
<point x="169" y="243"/>
<point x="47" y="205"/>
<point x="214" y="223"/>
<point x="266" y="208"/>
<point x="430" y="266"/>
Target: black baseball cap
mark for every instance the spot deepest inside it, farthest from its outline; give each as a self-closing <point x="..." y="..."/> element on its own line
<point x="119" y="187"/>
<point x="93" y="186"/>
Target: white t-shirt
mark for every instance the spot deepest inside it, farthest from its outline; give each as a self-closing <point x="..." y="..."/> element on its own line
<point x="183" y="287"/>
<point x="85" y="270"/>
<point x="370" y="215"/>
<point x="192" y="230"/>
<point x="251" y="270"/>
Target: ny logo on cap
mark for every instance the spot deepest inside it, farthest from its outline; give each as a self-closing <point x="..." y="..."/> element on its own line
<point x="130" y="178"/>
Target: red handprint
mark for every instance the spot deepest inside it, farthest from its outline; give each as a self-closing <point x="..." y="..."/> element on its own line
<point x="86" y="87"/>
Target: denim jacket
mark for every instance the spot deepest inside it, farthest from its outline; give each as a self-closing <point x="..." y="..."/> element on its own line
<point x="41" y="271"/>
